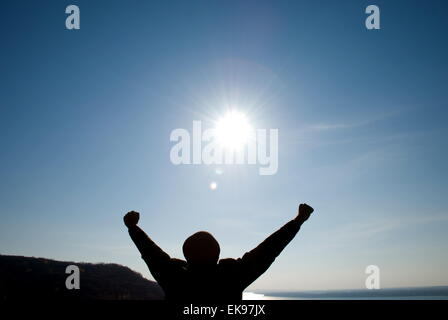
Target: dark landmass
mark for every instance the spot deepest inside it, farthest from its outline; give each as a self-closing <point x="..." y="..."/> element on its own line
<point x="39" y="278"/>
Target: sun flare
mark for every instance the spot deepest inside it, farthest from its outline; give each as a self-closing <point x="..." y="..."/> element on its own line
<point x="233" y="130"/>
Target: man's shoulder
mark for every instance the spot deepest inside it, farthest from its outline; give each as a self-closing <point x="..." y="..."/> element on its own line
<point x="229" y="265"/>
<point x="177" y="265"/>
<point x="227" y="262"/>
<point x="178" y="262"/>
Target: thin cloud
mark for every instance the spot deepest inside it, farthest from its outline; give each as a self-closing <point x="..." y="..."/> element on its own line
<point x="374" y="228"/>
<point x="341" y="126"/>
<point x="336" y="126"/>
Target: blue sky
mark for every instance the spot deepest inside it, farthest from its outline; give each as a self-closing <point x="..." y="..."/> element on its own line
<point x="86" y="117"/>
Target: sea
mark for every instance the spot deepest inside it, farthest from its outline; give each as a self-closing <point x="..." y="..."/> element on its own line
<point x="412" y="293"/>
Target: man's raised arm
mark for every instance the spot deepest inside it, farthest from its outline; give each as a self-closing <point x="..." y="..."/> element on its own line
<point x="255" y="262"/>
<point x="154" y="256"/>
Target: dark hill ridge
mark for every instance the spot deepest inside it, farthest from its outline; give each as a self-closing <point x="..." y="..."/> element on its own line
<point x="39" y="278"/>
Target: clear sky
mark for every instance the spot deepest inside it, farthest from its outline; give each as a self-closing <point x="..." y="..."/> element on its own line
<point x="86" y="116"/>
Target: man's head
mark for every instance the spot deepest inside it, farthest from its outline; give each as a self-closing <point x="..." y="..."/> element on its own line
<point x="201" y="248"/>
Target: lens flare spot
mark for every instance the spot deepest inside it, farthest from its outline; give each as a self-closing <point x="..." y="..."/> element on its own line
<point x="213" y="186"/>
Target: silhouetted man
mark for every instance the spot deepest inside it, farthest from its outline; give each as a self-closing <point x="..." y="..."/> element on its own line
<point x="203" y="277"/>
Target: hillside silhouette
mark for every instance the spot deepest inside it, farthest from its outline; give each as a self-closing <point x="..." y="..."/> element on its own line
<point x="40" y="278"/>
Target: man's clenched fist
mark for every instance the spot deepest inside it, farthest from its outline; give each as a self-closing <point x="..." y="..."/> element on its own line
<point x="304" y="212"/>
<point x="131" y="218"/>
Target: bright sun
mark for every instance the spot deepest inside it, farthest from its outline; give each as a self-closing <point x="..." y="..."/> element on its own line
<point x="233" y="131"/>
